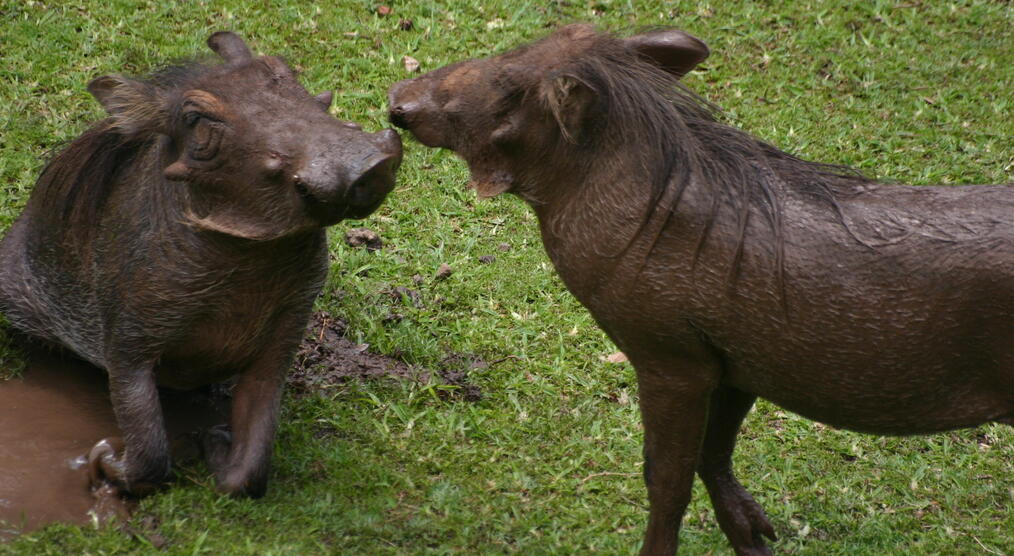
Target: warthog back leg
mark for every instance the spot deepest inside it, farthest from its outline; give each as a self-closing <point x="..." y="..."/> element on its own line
<point x="742" y="519"/>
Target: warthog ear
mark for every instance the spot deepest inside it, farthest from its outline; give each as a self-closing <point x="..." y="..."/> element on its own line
<point x="569" y="100"/>
<point x="675" y="51"/>
<point x="133" y="105"/>
<point x="230" y="47"/>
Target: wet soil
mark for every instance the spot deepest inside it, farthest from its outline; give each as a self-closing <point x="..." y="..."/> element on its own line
<point x="327" y="358"/>
<point x="50" y="418"/>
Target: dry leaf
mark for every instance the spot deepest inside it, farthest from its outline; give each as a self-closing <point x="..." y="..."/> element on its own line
<point x="618" y="357"/>
<point x="411" y="64"/>
<point x="384" y="11"/>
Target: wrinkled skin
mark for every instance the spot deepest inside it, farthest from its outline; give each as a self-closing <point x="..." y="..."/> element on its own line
<point x="726" y="269"/>
<point x="181" y="241"/>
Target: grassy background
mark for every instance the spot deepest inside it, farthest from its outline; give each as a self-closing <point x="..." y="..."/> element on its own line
<point x="549" y="461"/>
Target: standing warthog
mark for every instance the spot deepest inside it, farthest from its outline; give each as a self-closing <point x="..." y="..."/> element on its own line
<point x="181" y="241"/>
<point x="727" y="269"/>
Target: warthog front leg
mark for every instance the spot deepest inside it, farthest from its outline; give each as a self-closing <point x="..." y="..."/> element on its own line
<point x="241" y="457"/>
<point x="674" y="406"/>
<point x="144" y="463"/>
<point x="742" y="519"/>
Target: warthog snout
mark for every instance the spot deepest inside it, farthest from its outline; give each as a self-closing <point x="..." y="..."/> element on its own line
<point x="401" y="107"/>
<point x="337" y="186"/>
<point x="414" y="109"/>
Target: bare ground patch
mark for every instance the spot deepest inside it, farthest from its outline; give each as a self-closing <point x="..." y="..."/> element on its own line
<point x="327" y="358"/>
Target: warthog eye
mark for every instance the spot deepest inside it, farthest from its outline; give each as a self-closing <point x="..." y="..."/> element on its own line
<point x="205" y="138"/>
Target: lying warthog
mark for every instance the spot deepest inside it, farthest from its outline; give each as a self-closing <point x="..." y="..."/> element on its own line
<point x="727" y="269"/>
<point x="181" y="241"/>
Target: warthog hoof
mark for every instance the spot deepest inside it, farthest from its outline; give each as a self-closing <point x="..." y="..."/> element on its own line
<point x="104" y="465"/>
<point x="215" y="443"/>
<point x="742" y="519"/>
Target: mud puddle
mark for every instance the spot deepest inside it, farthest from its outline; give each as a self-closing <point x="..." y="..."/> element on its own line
<point x="50" y="418"/>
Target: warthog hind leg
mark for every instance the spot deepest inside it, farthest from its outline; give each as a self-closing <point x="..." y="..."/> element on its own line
<point x="742" y="519"/>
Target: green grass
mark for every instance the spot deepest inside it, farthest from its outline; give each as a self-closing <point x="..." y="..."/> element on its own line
<point x="549" y="461"/>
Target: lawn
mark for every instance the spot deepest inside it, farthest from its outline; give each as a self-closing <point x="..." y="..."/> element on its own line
<point x="548" y="460"/>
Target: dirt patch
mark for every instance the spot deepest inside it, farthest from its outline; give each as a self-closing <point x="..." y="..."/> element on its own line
<point x="147" y="528"/>
<point x="327" y="358"/>
<point x="405" y="295"/>
<point x="456" y="370"/>
<point x="444" y="272"/>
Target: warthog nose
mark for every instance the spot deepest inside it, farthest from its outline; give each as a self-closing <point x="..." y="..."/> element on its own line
<point x="401" y="113"/>
<point x="375" y="182"/>
<point x="377" y="176"/>
<point x="367" y="192"/>
<point x="402" y="108"/>
<point x="399" y="107"/>
<point x="349" y="177"/>
<point x="328" y="176"/>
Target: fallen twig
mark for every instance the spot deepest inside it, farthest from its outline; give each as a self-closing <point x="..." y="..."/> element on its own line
<point x="609" y="474"/>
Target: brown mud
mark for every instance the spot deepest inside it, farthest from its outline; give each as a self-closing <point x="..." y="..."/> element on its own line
<point x="327" y="359"/>
<point x="50" y="418"/>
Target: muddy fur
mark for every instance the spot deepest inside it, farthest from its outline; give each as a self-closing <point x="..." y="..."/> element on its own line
<point x="727" y="269"/>
<point x="181" y="241"/>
